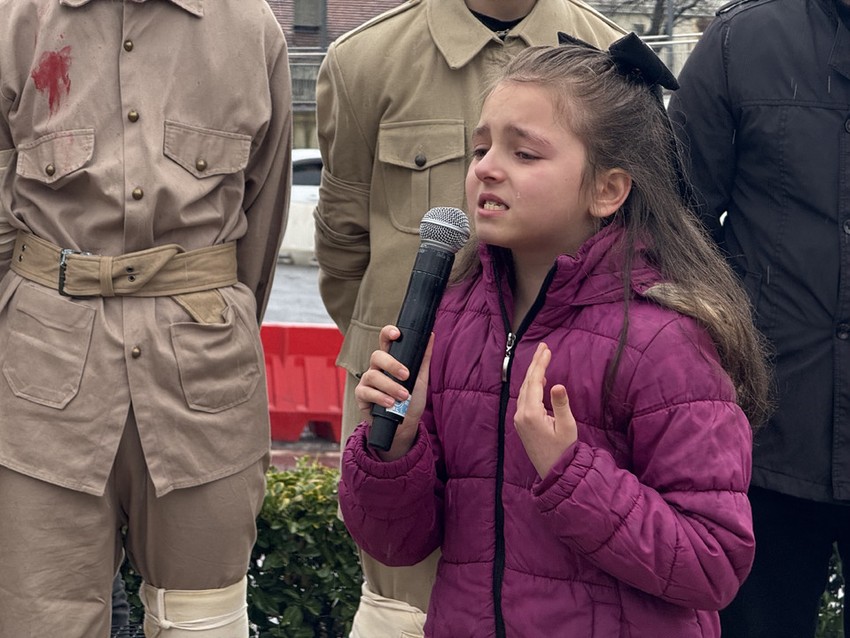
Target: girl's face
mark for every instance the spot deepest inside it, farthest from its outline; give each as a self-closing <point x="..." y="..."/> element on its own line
<point x="524" y="185"/>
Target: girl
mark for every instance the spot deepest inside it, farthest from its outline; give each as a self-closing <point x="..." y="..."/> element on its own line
<point x="580" y="450"/>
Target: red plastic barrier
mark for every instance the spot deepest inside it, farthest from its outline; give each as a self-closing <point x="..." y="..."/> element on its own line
<point x="305" y="385"/>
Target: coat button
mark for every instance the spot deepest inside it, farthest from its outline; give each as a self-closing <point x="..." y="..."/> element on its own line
<point x="136" y="352"/>
<point x="843" y="331"/>
<point x="201" y="165"/>
<point x="846" y="226"/>
<point x="133" y="115"/>
<point x="420" y="160"/>
<point x="128" y="45"/>
<point x="50" y="169"/>
<point x="138" y="193"/>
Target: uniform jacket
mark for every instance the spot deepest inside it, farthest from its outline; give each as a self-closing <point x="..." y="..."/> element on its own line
<point x="117" y="96"/>
<point x="396" y="103"/>
<point x="641" y="529"/>
<point x="764" y="109"/>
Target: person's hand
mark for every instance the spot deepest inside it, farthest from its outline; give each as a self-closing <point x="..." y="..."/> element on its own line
<point x="376" y="388"/>
<point x="545" y="437"/>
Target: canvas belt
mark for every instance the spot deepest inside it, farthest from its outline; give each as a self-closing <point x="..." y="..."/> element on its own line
<point x="190" y="277"/>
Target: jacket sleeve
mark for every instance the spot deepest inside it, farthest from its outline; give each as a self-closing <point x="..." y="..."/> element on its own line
<point x="342" y="215"/>
<point x="393" y="510"/>
<point x="676" y="524"/>
<point x="267" y="186"/>
<point x="704" y="121"/>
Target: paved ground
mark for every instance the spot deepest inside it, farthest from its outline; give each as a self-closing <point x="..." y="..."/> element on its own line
<point x="295" y="299"/>
<point x="295" y="296"/>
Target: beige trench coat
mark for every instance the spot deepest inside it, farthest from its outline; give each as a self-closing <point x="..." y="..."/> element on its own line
<point x="122" y="100"/>
<point x="395" y="118"/>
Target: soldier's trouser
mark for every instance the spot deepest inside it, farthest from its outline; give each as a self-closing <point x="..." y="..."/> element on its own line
<point x="394" y="599"/>
<point x="59" y="549"/>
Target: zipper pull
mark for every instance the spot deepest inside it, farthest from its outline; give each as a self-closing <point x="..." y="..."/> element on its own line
<point x="509" y="348"/>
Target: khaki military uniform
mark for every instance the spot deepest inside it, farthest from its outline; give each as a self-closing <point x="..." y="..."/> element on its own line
<point x="127" y="127"/>
<point x="397" y="101"/>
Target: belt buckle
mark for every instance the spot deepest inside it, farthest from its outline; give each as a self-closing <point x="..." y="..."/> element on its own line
<point x="63" y="265"/>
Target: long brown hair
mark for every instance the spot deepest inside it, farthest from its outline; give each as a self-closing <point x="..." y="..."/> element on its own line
<point x="623" y="124"/>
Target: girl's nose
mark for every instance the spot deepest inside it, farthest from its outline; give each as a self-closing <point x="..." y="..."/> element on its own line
<point x="488" y="168"/>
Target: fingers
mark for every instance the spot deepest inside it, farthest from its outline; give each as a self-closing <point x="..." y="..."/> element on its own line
<point x="535" y="376"/>
<point x="375" y="387"/>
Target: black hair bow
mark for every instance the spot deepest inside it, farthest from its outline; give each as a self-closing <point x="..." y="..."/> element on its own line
<point x="633" y="59"/>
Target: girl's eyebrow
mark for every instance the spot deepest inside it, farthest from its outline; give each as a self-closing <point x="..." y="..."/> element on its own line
<point x="514" y="131"/>
<point x="481" y="131"/>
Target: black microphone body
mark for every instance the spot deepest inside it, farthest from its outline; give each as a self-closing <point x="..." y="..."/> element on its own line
<point x="428" y="280"/>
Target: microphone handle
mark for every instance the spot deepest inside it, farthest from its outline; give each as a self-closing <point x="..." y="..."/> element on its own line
<point x="415" y="322"/>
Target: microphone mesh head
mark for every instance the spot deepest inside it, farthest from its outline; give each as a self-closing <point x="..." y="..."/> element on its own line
<point x="445" y="226"/>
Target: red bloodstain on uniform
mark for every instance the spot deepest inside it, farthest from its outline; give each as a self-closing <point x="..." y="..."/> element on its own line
<point x="51" y="76"/>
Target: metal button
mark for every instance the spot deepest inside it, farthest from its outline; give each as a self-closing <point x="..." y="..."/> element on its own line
<point x="843" y="331"/>
<point x="846" y="226"/>
<point x="420" y="160"/>
<point x="201" y="165"/>
<point x="50" y="169"/>
<point x="128" y="45"/>
<point x="136" y="352"/>
<point x="138" y="193"/>
<point x="133" y="115"/>
<point x="131" y="278"/>
<point x="129" y="269"/>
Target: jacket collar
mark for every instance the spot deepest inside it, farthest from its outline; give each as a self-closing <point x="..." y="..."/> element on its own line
<point x="593" y="276"/>
<point x="839" y="58"/>
<point x="459" y="35"/>
<point x="195" y="7"/>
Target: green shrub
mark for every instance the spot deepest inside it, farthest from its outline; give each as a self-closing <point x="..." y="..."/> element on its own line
<point x="830" y="616"/>
<point x="304" y="577"/>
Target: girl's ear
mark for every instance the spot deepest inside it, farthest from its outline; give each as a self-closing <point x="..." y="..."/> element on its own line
<point x="611" y="189"/>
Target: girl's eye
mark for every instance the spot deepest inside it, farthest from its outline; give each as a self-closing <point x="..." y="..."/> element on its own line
<point x="478" y="153"/>
<point x="525" y="156"/>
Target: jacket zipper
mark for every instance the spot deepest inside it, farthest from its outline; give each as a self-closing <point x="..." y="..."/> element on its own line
<point x="504" y="396"/>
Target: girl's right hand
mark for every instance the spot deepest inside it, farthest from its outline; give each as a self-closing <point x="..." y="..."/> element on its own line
<point x="376" y="388"/>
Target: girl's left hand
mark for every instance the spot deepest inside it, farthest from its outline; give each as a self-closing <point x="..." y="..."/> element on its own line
<point x="545" y="437"/>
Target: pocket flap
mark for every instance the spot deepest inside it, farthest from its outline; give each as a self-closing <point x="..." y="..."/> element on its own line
<point x="205" y="152"/>
<point x="52" y="157"/>
<point x="420" y="145"/>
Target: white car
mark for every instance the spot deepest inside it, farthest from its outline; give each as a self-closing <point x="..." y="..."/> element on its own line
<point x="297" y="245"/>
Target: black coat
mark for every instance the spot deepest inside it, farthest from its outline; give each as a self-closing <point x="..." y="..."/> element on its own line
<point x="764" y="114"/>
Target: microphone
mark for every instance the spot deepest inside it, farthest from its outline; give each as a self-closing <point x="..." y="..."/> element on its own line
<point x="443" y="231"/>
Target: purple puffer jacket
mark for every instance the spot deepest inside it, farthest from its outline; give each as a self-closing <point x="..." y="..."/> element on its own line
<point x="641" y="530"/>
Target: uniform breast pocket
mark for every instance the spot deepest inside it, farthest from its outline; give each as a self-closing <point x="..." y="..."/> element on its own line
<point x="48" y="345"/>
<point x="422" y="165"/>
<point x="205" y="152"/>
<point x="57" y="158"/>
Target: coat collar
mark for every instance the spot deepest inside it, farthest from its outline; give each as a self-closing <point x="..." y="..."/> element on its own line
<point x="839" y="58"/>
<point x="459" y="35"/>
<point x="593" y="276"/>
<point x="195" y="7"/>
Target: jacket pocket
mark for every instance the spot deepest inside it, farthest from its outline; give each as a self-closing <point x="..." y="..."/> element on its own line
<point x="420" y="162"/>
<point x="205" y="152"/>
<point x="48" y="345"/>
<point x="219" y="363"/>
<point x="51" y="158"/>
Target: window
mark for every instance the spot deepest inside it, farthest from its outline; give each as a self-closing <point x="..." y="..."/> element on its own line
<point x="308" y="15"/>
